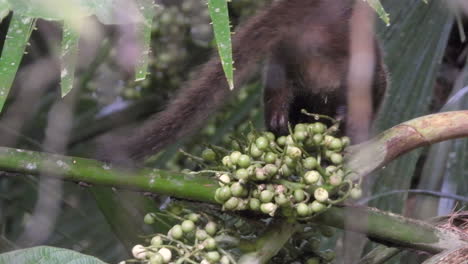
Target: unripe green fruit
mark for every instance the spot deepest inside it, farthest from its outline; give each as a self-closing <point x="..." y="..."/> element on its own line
<point x="268" y="208"/>
<point x="340" y="173"/>
<point x="309" y="163"/>
<point x="309" y="142"/>
<point x="251" y="136"/>
<point x="281" y="199"/>
<point x="281" y="141"/>
<point x="235" y="156"/>
<point x="302" y="209"/>
<point x="300" y="136"/>
<point x="318" y="138"/>
<point x="210" y="243"/>
<point x="335" y="144"/>
<point x="317" y="206"/>
<point x="209" y="130"/>
<point x="266" y="196"/>
<point x="243" y="205"/>
<point x="224" y="179"/>
<point x="314" y="260"/>
<point x="156" y="241"/>
<point x="300" y="127"/>
<point x="290" y="162"/>
<point x="166" y="254"/>
<point x="356" y="193"/>
<point x="188" y="226"/>
<point x="285" y="171"/>
<point x="139" y="252"/>
<point x="193" y="217"/>
<point x="270" y="157"/>
<point x="335" y="180"/>
<point x="273" y="144"/>
<point x="299" y="195"/>
<point x="244" y="161"/>
<point x="345" y="141"/>
<point x="328" y="153"/>
<point x="225" y="260"/>
<point x="209" y="155"/>
<point x="201" y="234"/>
<point x="319" y="128"/>
<point x="270" y="187"/>
<point x="176" y="232"/>
<point x="255" y="152"/>
<point x="227" y="161"/>
<point x="330" y="169"/>
<point x="156" y="259"/>
<point x="256" y="193"/>
<point x="262" y="143"/>
<point x="269" y="135"/>
<point x="211" y="228"/>
<point x="251" y="169"/>
<point x="327" y="139"/>
<point x="213" y="256"/>
<point x="232" y="203"/>
<point x="236" y="189"/>
<point x="289" y="140"/>
<point x="260" y="175"/>
<point x="270" y="169"/>
<point x="242" y="174"/>
<point x="328" y="254"/>
<point x="336" y="158"/>
<point x="321" y="194"/>
<point x="312" y="177"/>
<point x="223" y="194"/>
<point x="149" y="219"/>
<point x="254" y="204"/>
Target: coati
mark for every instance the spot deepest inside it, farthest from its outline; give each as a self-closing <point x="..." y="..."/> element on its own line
<point x="306" y="47"/>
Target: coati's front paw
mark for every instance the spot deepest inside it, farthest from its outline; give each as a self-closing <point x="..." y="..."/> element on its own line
<point x="278" y="123"/>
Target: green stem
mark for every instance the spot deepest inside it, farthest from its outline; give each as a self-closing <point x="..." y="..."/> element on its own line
<point x="389" y="227"/>
<point x="95" y="172"/>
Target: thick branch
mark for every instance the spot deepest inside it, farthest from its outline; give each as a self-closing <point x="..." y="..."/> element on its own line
<point x="93" y="172"/>
<point x="393" y="229"/>
<point x="394" y="142"/>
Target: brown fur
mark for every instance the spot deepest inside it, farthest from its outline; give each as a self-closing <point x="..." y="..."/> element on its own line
<point x="306" y="43"/>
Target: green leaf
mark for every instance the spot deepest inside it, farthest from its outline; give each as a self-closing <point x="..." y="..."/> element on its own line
<point x="51" y="9"/>
<point x="69" y="54"/>
<point x="147" y="7"/>
<point x="107" y="11"/>
<point x="220" y="17"/>
<point x="16" y="39"/>
<point x="377" y="6"/>
<point x="4" y="9"/>
<point x="46" y="255"/>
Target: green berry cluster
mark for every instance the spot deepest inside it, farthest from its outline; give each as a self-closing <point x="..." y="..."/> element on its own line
<point x="300" y="174"/>
<point x="190" y="241"/>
